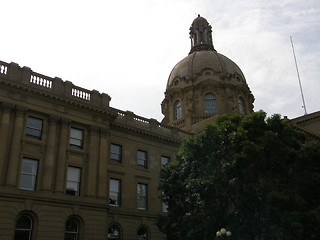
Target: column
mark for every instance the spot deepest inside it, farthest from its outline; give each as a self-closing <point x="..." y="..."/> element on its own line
<point x="60" y="180"/>
<point x="92" y="163"/>
<point x="4" y="132"/>
<point x="14" y="157"/>
<point x="103" y="159"/>
<point x="47" y="168"/>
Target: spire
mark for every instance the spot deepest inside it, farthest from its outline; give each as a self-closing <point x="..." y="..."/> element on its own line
<point x="200" y="35"/>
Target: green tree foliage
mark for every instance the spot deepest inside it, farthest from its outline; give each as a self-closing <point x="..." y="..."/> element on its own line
<point x="257" y="176"/>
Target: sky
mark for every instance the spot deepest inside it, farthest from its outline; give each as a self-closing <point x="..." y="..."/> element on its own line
<point x="127" y="48"/>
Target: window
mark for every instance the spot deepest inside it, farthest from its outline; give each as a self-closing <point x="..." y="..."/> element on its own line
<point x="242" y="105"/>
<point x="23" y="230"/>
<point x="73" y="181"/>
<point x="210" y="103"/>
<point x="164" y="205"/>
<point x="28" y="175"/>
<point x="72" y="230"/>
<point x="34" y="128"/>
<point x="164" y="160"/>
<point x="142" y="234"/>
<point x="142" y="195"/>
<point x="142" y="158"/>
<point x="114" y="192"/>
<point x="76" y="138"/>
<point x="114" y="233"/>
<point x="177" y="110"/>
<point x="115" y="152"/>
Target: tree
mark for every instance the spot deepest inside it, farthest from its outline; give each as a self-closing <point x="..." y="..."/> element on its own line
<point x="255" y="175"/>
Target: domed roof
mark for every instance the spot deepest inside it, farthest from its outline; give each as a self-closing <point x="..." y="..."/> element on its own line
<point x="198" y="61"/>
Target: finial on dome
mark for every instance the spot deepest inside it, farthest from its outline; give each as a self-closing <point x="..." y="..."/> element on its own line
<point x="200" y="35"/>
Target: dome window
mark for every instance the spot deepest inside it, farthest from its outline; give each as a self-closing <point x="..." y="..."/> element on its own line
<point x="177" y="110"/>
<point x="210" y="103"/>
<point x="242" y="105"/>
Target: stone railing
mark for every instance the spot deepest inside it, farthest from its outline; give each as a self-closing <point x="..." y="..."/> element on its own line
<point x="180" y="123"/>
<point x="152" y="125"/>
<point x="13" y="72"/>
<point x="200" y="118"/>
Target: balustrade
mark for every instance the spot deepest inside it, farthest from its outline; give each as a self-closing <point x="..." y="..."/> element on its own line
<point x="151" y="125"/>
<point x="41" y="81"/>
<point x="13" y="72"/>
<point x="3" y="68"/>
<point x="80" y="93"/>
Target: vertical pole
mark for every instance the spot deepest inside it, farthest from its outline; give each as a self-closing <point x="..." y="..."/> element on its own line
<point x="295" y="60"/>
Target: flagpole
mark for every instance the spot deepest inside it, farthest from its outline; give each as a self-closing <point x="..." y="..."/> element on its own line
<point x="295" y="60"/>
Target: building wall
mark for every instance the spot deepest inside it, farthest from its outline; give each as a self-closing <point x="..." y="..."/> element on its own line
<point x="309" y="123"/>
<point x="62" y="106"/>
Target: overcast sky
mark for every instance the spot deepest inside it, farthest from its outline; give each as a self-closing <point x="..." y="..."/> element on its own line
<point x="127" y="48"/>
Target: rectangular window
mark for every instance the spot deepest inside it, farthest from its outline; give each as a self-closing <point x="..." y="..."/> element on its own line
<point x="114" y="192"/>
<point x="28" y="175"/>
<point x="115" y="152"/>
<point x="76" y="138"/>
<point x="164" y="205"/>
<point x="34" y="128"/>
<point x="142" y="195"/>
<point x="73" y="181"/>
<point x="142" y="158"/>
<point x="164" y="160"/>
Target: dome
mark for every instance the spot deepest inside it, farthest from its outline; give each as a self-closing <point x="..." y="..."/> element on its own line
<point x="198" y="61"/>
<point x="204" y="85"/>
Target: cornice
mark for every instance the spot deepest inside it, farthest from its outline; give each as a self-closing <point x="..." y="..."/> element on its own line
<point x="144" y="133"/>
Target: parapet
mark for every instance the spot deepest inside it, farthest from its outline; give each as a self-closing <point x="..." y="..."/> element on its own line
<point x="24" y="75"/>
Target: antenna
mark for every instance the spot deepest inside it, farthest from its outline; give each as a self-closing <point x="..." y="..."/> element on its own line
<point x="295" y="60"/>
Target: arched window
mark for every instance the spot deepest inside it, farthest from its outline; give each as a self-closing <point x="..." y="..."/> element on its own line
<point x="114" y="232"/>
<point x="142" y="234"/>
<point x="242" y="106"/>
<point x="72" y="229"/>
<point x="177" y="110"/>
<point x="24" y="227"/>
<point x="210" y="103"/>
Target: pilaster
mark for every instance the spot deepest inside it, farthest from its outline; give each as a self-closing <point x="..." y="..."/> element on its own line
<point x="61" y="159"/>
<point x="92" y="167"/>
<point x="103" y="159"/>
<point x="4" y="138"/>
<point x="47" y="177"/>
<point x="14" y="157"/>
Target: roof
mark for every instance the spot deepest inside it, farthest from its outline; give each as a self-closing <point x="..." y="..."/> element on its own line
<point x="198" y="61"/>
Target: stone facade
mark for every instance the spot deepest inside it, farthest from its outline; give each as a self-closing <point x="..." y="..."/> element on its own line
<point x="50" y="127"/>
